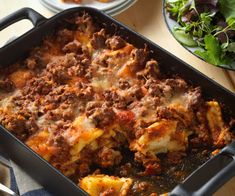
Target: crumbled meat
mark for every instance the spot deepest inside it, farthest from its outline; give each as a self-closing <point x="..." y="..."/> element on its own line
<point x="133" y="93"/>
<point x="86" y="62"/>
<point x="159" y="89"/>
<point x="108" y="192"/>
<point x="83" y="169"/>
<point x="176" y="83"/>
<point x="66" y="61"/>
<point x="126" y="119"/>
<point x="153" y="87"/>
<point x="175" y="157"/>
<point x="40" y="86"/>
<point x="20" y="124"/>
<point x="101" y="60"/>
<point x="6" y="85"/>
<point x="92" y="105"/>
<point x="153" y="194"/>
<point x="140" y="187"/>
<point x="114" y="99"/>
<point x="73" y="46"/>
<point x="89" y="74"/>
<point x="58" y="68"/>
<point x="125" y="170"/>
<point x="37" y="59"/>
<point x="115" y="43"/>
<point x="67" y="96"/>
<point x="139" y="130"/>
<point x="139" y="57"/>
<point x="102" y="116"/>
<point x="86" y="94"/>
<point x="31" y="63"/>
<point x="70" y="59"/>
<point x="85" y="24"/>
<point x="15" y="125"/>
<point x="60" y="104"/>
<point x="64" y="36"/>
<point x="31" y="125"/>
<point x="151" y="70"/>
<point x="78" y="70"/>
<point x="123" y="84"/>
<point x="66" y="113"/>
<point x="150" y="162"/>
<point x="147" y="103"/>
<point x="108" y="157"/>
<point x="59" y="73"/>
<point x="110" y="95"/>
<point x="193" y="98"/>
<point x="164" y="112"/>
<point x="167" y="91"/>
<point x="152" y="168"/>
<point x="98" y="39"/>
<point x="63" y="152"/>
<point x="86" y="159"/>
<point x="97" y="171"/>
<point x="203" y="137"/>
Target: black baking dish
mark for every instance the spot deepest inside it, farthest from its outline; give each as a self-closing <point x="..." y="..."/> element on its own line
<point x="219" y="169"/>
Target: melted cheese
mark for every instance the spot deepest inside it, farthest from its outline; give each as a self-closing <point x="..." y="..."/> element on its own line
<point x="95" y="185"/>
<point x="219" y="131"/>
<point x="82" y="133"/>
<point x="20" y="77"/>
<point x="6" y="104"/>
<point x="161" y="137"/>
<point x="101" y="83"/>
<point x="214" y="116"/>
<point x="40" y="144"/>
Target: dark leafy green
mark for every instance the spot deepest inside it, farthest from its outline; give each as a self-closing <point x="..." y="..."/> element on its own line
<point x="231" y="23"/>
<point x="184" y="38"/>
<point x="213" y="53"/>
<point x="227" y="8"/>
<point x="209" y="24"/>
<point x="231" y="47"/>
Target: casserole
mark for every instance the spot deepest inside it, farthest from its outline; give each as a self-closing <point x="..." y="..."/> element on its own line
<point x="156" y="51"/>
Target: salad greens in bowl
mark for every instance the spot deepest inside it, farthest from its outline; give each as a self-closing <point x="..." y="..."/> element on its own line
<point x="205" y="27"/>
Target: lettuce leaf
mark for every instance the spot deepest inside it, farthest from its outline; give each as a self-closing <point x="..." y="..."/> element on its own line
<point x="213" y="53"/>
<point x="227" y="8"/>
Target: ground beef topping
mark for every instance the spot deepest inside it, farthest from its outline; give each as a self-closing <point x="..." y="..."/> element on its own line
<point x="102" y="116"/>
<point x="6" y="85"/>
<point x="115" y="43"/>
<point x="98" y="39"/>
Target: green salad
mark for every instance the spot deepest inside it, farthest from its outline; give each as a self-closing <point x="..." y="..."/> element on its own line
<point x="208" y="24"/>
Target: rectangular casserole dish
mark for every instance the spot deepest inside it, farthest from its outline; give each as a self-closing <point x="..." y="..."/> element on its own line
<point x="53" y="180"/>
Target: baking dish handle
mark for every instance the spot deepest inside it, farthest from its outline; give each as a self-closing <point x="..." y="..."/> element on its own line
<point x="208" y="178"/>
<point x="24" y="13"/>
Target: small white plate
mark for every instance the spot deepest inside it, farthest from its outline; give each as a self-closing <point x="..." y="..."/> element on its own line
<point x="121" y="8"/>
<point x="60" y="5"/>
<point x="112" y="8"/>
